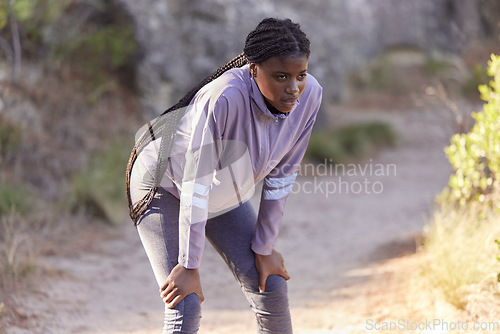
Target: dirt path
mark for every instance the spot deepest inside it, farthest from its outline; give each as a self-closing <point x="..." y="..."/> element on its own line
<point x="333" y="244"/>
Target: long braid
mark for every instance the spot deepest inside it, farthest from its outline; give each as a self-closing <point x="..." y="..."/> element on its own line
<point x="271" y="38"/>
<point x="136" y="209"/>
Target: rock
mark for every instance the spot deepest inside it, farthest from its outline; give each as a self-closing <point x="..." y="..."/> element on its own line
<point x="181" y="42"/>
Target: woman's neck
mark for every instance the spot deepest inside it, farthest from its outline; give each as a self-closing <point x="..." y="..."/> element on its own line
<point x="272" y="109"/>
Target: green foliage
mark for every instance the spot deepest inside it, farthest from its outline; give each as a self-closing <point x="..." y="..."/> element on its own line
<point x="114" y="44"/>
<point x="378" y="75"/>
<point x="381" y="75"/>
<point x="42" y="22"/>
<point x="10" y="136"/>
<point x="95" y="47"/>
<point x="478" y="77"/>
<point x="435" y="66"/>
<point x="107" y="49"/>
<point x="20" y="10"/>
<point x="343" y="144"/>
<point x="23" y="9"/>
<point x="394" y="71"/>
<point x="99" y="190"/>
<point x="14" y="197"/>
<point x="34" y="15"/>
<point x="3" y="17"/>
<point x="475" y="156"/>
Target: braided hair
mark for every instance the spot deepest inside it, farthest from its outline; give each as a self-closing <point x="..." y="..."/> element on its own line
<point x="271" y="38"/>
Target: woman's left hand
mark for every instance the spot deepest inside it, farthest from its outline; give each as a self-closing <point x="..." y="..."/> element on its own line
<point x="273" y="264"/>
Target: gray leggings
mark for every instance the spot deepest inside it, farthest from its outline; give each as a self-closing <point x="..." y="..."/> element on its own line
<point x="230" y="234"/>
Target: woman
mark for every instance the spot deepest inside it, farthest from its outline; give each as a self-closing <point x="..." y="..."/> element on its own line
<point x="193" y="169"/>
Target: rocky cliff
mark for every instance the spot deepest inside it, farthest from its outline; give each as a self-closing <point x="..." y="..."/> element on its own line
<point x="183" y="41"/>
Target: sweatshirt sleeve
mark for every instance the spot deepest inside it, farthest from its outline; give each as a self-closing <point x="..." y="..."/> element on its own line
<point x="276" y="188"/>
<point x="204" y="149"/>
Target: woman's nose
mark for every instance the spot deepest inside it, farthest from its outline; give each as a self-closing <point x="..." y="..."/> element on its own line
<point x="293" y="89"/>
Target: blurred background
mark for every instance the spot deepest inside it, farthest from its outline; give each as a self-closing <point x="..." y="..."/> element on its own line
<point x="79" y="77"/>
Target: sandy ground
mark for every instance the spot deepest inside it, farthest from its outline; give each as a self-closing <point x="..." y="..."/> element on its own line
<point x="345" y="250"/>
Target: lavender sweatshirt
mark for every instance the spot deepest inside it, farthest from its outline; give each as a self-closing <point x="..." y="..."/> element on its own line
<point x="226" y="142"/>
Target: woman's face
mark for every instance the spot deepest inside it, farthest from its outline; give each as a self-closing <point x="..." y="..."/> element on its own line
<point x="281" y="81"/>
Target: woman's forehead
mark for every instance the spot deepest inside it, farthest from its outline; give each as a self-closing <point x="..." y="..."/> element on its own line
<point x="288" y="64"/>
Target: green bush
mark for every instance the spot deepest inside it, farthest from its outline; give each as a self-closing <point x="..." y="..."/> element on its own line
<point x="478" y="77"/>
<point x="14" y="197"/>
<point x="343" y="144"/>
<point x="475" y="156"/>
<point x="99" y="52"/>
<point x="10" y="136"/>
<point x="435" y="66"/>
<point x="99" y="190"/>
<point x="21" y="10"/>
<point x="460" y="251"/>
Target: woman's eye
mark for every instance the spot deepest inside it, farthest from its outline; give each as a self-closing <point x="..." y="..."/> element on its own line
<point x="281" y="77"/>
<point x="302" y="76"/>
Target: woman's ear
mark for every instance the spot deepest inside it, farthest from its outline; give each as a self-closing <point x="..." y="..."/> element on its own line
<point x="253" y="69"/>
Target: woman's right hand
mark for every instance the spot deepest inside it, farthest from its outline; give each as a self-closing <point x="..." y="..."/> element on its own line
<point x="266" y="265"/>
<point x="180" y="283"/>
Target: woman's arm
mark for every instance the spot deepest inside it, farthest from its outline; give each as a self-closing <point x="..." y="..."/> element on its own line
<point x="201" y="158"/>
<point x="277" y="186"/>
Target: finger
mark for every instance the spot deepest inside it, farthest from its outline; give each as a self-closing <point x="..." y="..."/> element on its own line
<point x="168" y="285"/>
<point x="172" y="295"/>
<point x="164" y="286"/>
<point x="283" y="273"/>
<point x="175" y="301"/>
<point x="200" y="297"/>
<point x="167" y="290"/>
<point x="262" y="282"/>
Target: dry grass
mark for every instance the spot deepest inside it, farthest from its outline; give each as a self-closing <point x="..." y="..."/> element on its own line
<point x="27" y="241"/>
<point x="460" y="262"/>
<point x="17" y="249"/>
<point x="22" y="239"/>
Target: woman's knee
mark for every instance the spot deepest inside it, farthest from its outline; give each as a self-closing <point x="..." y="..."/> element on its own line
<point x="271" y="307"/>
<point x="276" y="284"/>
<point x="185" y="317"/>
<point x="275" y="298"/>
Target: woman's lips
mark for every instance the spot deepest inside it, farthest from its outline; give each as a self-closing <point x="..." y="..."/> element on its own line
<point x="289" y="102"/>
